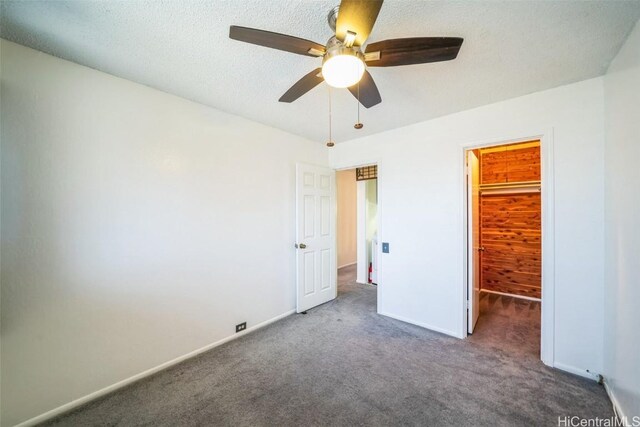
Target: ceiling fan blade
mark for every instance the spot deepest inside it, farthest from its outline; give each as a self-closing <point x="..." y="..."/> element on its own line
<point x="416" y="50"/>
<point x="357" y="16"/>
<point x="276" y="41"/>
<point x="302" y="86"/>
<point x="369" y="95"/>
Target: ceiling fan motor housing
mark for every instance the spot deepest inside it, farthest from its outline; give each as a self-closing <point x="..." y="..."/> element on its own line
<point x="335" y="47"/>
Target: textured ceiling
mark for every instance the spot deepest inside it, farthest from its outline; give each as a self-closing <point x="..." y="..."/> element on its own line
<point x="511" y="48"/>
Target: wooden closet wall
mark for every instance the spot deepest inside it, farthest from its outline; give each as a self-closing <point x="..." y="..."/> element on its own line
<point x="510" y="220"/>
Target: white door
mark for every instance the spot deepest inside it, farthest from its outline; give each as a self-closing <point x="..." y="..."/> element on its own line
<point x="316" y="236"/>
<point x="473" y="221"/>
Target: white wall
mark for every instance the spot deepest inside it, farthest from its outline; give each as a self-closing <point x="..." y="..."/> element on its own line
<point x="622" y="227"/>
<point x="136" y="227"/>
<point x="421" y="211"/>
<point x="347" y="216"/>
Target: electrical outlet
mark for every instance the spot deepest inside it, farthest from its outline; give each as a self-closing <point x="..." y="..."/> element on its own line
<point x="385" y="247"/>
<point x="241" y="327"/>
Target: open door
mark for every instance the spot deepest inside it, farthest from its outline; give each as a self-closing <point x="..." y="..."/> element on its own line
<point x="316" y="236"/>
<point x="473" y="237"/>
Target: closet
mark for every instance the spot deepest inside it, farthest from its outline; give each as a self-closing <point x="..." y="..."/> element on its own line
<point x="510" y="219"/>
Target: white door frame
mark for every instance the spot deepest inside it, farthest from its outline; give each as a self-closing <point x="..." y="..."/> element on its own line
<point x="361" y="232"/>
<point x="380" y="284"/>
<point x="548" y="233"/>
<point x="473" y="235"/>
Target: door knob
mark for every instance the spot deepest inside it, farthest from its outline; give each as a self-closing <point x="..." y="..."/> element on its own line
<point x="302" y="246"/>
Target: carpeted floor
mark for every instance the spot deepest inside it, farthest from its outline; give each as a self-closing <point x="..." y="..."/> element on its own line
<point x="509" y="324"/>
<point x="343" y="364"/>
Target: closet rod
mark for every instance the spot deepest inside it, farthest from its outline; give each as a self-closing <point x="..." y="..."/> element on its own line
<point x="519" y="184"/>
<point x="511" y="190"/>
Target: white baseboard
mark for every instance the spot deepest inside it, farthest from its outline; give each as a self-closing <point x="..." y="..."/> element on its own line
<point x="511" y="295"/>
<point x="422" y="325"/>
<point x="347" y="265"/>
<point x="577" y="371"/>
<point x="96" y="394"/>
<point x="617" y="409"/>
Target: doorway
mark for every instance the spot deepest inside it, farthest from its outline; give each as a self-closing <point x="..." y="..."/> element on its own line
<point x="357" y="226"/>
<point x="504" y="243"/>
<point x="319" y="261"/>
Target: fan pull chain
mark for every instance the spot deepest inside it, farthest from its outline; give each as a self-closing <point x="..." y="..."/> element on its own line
<point x="330" y="143"/>
<point x="358" y="125"/>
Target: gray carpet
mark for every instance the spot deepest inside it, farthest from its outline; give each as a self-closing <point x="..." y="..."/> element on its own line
<point x="343" y="364"/>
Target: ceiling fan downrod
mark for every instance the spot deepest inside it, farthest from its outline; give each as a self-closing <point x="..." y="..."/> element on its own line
<point x="332" y="18"/>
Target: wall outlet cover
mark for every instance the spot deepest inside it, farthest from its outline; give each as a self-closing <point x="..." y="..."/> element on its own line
<point x="241" y="327"/>
<point x="385" y="247"/>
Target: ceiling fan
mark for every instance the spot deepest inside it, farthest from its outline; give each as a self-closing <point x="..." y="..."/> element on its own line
<point x="344" y="60"/>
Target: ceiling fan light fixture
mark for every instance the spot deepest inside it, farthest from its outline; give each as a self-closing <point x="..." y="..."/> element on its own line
<point x="342" y="67"/>
<point x="344" y="61"/>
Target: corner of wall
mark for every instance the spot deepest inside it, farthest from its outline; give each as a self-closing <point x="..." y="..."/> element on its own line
<point x="621" y="336"/>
